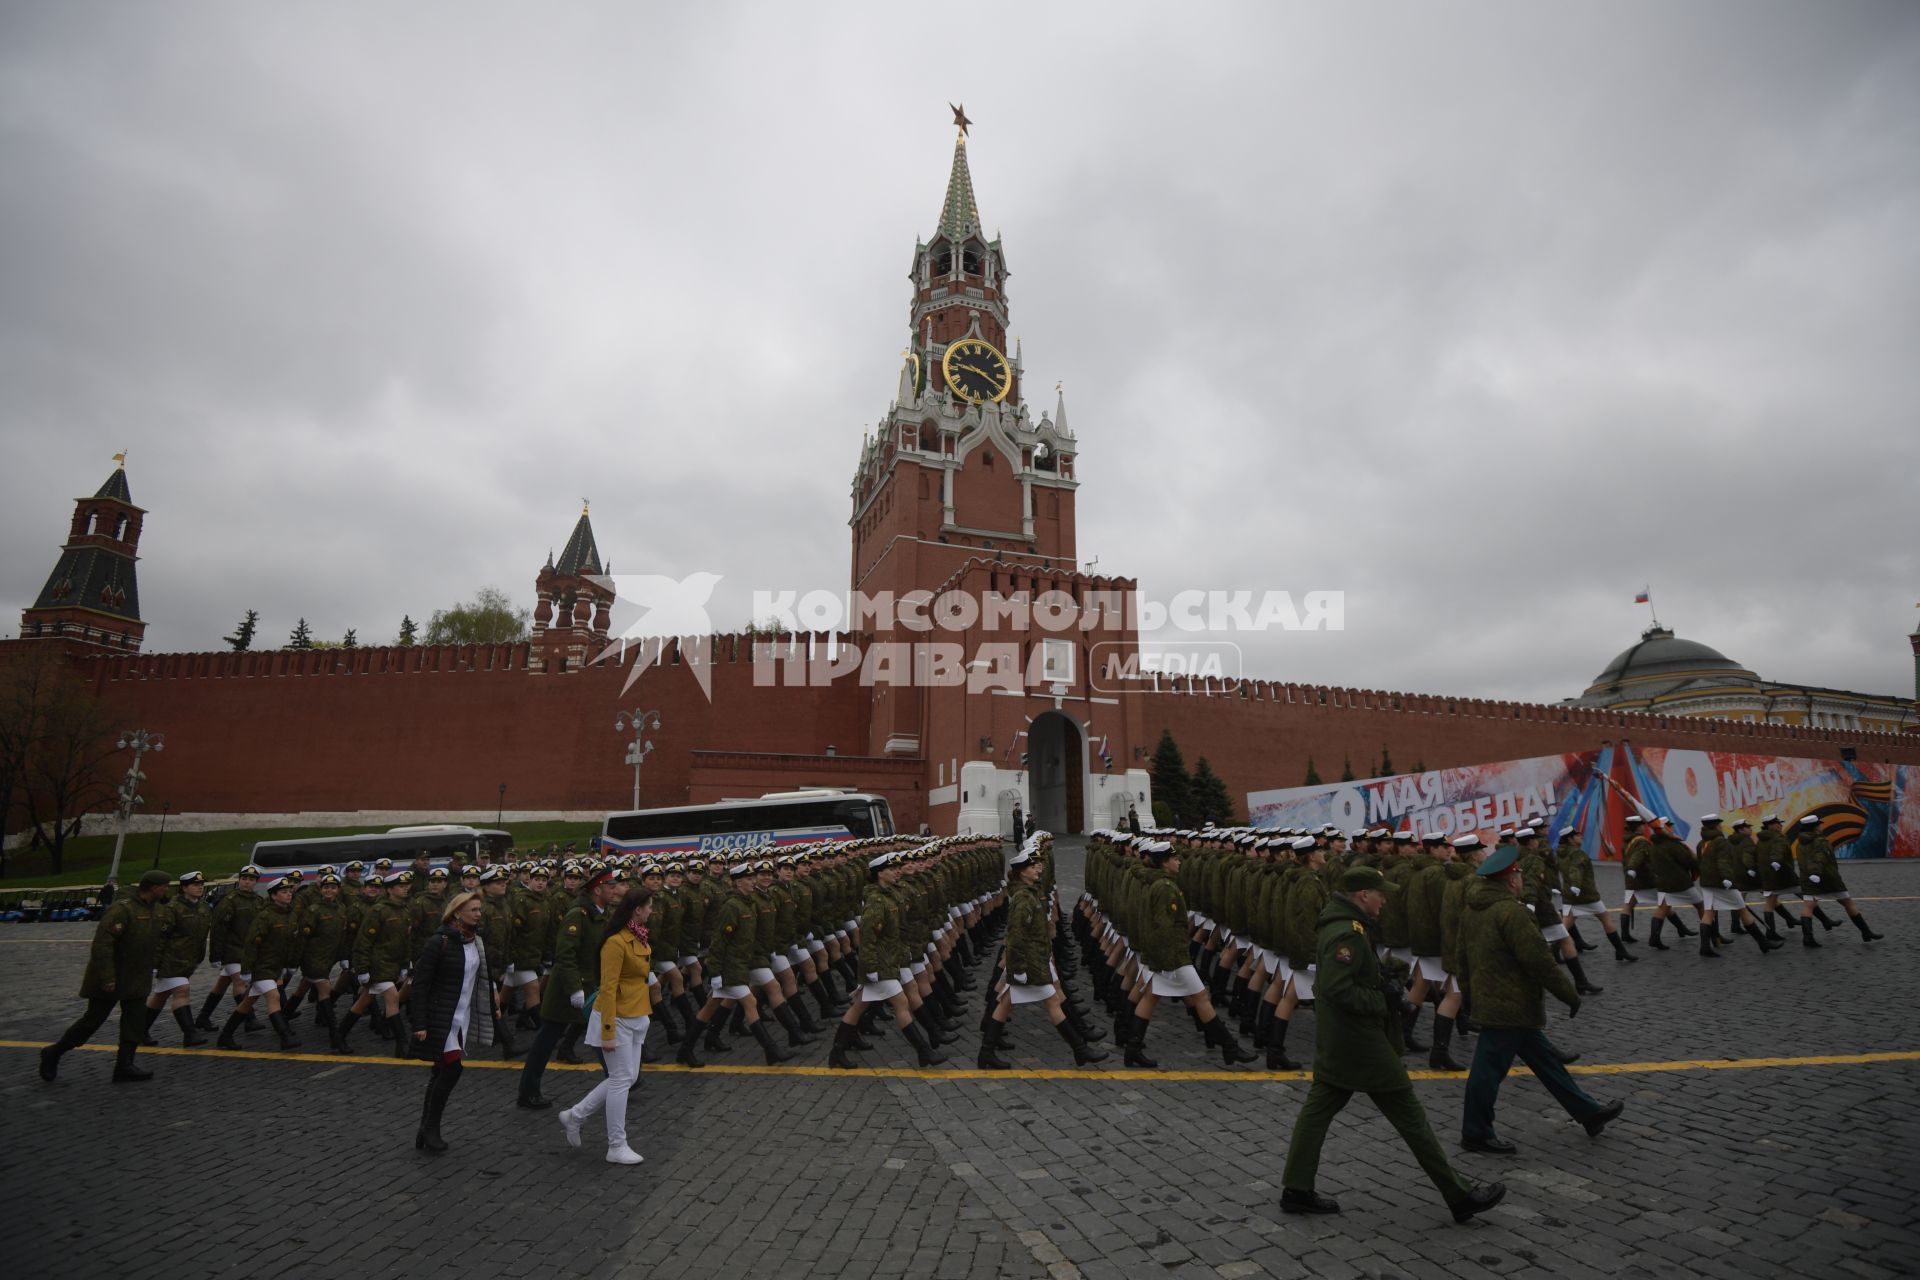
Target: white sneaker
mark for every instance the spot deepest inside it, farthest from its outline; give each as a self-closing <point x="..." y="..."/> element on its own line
<point x="623" y="1154"/>
<point x="571" y="1123"/>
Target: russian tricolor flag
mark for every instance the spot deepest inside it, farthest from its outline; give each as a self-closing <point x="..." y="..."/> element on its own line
<point x="1642" y="597"/>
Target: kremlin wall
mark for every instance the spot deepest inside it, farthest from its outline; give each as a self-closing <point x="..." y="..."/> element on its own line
<point x="958" y="486"/>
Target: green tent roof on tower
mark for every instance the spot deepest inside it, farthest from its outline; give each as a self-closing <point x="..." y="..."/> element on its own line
<point x="960" y="214"/>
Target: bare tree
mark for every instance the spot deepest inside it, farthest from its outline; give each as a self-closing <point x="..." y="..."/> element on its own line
<point x="64" y="769"/>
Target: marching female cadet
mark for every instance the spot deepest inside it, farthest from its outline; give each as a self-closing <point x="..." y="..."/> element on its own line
<point x="1673" y="868"/>
<point x="1163" y="951"/>
<point x="1426" y="893"/>
<point x="380" y="956"/>
<point x="1820" y="878"/>
<point x="1722" y="871"/>
<point x="227" y="939"/>
<point x="1580" y="896"/>
<point x="1300" y="906"/>
<point x="1027" y="969"/>
<point x="321" y="926"/>
<point x="772" y="972"/>
<point x="184" y="923"/>
<point x="734" y="957"/>
<point x="532" y="929"/>
<point x="1773" y="856"/>
<point x="496" y="929"/>
<point x="886" y="954"/>
<point x="270" y="949"/>
<point x="1636" y="869"/>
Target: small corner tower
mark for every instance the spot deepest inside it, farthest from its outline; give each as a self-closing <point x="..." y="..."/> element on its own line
<point x="91" y="598"/>
<point x="574" y="609"/>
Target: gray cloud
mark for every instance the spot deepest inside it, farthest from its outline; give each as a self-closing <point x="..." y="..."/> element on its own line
<point x="1485" y="315"/>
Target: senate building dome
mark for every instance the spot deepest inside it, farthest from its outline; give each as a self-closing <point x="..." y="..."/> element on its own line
<point x="1663" y="673"/>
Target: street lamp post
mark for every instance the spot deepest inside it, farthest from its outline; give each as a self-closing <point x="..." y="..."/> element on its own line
<point x="501" y="808"/>
<point x="139" y="741"/>
<point x="166" y="807"/>
<point x="641" y="746"/>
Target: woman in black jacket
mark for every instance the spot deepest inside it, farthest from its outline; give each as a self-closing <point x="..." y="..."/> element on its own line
<point x="453" y="1005"/>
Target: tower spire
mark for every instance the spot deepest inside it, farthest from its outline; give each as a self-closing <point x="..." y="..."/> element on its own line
<point x="960" y="213"/>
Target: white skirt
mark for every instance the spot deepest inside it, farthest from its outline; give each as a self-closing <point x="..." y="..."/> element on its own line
<point x="1027" y="993"/>
<point x="1586" y="908"/>
<point x="1554" y="932"/>
<point x="780" y="964"/>
<point x="1303" y="983"/>
<point x="1430" y="968"/>
<point x="759" y="977"/>
<point x="1725" y="900"/>
<point x="728" y="993"/>
<point x="1686" y="898"/>
<point x="163" y="985"/>
<point x="878" y="990"/>
<point x="1841" y="896"/>
<point x="1183" y="981"/>
<point x="1403" y="954"/>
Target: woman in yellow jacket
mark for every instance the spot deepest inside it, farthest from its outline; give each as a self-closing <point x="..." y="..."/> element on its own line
<point x="619" y="1021"/>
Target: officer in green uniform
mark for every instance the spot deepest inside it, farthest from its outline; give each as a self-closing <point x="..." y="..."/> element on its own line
<point x="126" y="943"/>
<point x="1357" y="1050"/>
<point x="576" y="966"/>
<point x="532" y="935"/>
<point x="1773" y="857"/>
<point x="321" y="926"/>
<point x="1508" y="968"/>
<point x="184" y="923"/>
<point x="423" y="913"/>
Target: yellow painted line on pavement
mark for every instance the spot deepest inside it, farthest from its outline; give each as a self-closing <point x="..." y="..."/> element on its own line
<point x="937" y="1076"/>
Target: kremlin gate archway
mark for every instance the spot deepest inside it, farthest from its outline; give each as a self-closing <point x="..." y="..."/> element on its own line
<point x="1057" y="772"/>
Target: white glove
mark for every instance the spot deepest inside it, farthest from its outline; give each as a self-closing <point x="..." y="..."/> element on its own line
<point x="1726" y="884"/>
<point x="363" y="978"/>
<point x="1631" y="874"/>
<point x="578" y="999"/>
<point x="1814" y="879"/>
<point x="1774" y="865"/>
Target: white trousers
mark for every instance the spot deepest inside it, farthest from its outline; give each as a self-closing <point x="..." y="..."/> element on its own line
<point x="623" y="1068"/>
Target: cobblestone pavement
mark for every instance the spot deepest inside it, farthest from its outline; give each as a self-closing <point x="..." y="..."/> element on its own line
<point x="302" y="1166"/>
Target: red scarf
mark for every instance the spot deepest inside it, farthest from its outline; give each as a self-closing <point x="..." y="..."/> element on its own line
<point x="638" y="930"/>
<point x="466" y="935"/>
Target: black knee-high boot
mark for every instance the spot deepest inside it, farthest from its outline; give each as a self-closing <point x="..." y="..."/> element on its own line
<point x="1620" y="951"/>
<point x="207" y="1006"/>
<point x="190" y="1037"/>
<point x="1806" y="932"/>
<point x="1680" y="926"/>
<point x="1579" y="943"/>
<point x="1653" y="934"/>
<point x="1866" y="934"/>
<point x="146" y="1032"/>
<point x="1626" y="924"/>
<point x="1826" y="921"/>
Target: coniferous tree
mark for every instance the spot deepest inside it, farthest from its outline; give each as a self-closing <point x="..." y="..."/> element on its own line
<point x="409" y="629"/>
<point x="1212" y="801"/>
<point x="1419" y="766"/>
<point x="242" y="637"/>
<point x="1386" y="762"/>
<point x="1346" y="768"/>
<point x="1313" y="774"/>
<point x="1170" y="781"/>
<point x="352" y="639"/>
<point x="302" y="637"/>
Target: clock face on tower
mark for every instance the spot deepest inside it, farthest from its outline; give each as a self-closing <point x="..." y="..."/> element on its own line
<point x="977" y="372"/>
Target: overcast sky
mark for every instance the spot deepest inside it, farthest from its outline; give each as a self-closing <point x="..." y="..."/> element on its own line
<point x="1486" y="315"/>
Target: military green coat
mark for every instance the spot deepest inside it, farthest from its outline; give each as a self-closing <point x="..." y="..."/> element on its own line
<point x="1672" y="865"/>
<point x="232" y="922"/>
<point x="1506" y="966"/>
<point x="1774" y="858"/>
<point x="532" y="929"/>
<point x="126" y="943"/>
<point x="1819" y="869"/>
<point x="883" y="944"/>
<point x="1426" y="890"/>
<point x="272" y="944"/>
<point x="735" y="951"/>
<point x="320" y="926"/>
<point x="1576" y="873"/>
<point x="1636" y="864"/>
<point x="576" y="962"/>
<point x="1720" y="865"/>
<point x="183" y="937"/>
<point x="1356" y="1044"/>
<point x="1029" y="950"/>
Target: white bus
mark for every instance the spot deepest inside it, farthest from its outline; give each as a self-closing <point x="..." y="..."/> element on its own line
<point x="736" y="827"/>
<point x="448" y="845"/>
